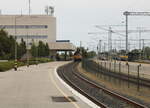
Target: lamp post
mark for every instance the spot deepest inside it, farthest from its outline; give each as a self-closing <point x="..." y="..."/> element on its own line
<point x="27" y="46"/>
<point x="28" y="28"/>
<point x="16" y="42"/>
<point x="36" y="50"/>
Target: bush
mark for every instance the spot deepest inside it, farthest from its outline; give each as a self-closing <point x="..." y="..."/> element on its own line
<point x="4" y="66"/>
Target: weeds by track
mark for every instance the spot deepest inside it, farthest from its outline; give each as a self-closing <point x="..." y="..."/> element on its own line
<point x="97" y="68"/>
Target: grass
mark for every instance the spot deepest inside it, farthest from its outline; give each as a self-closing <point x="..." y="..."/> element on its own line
<point x="4" y="66"/>
<point x="118" y="86"/>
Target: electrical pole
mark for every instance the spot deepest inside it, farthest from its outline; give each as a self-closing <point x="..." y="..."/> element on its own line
<point x="139" y="39"/>
<point x="104" y="47"/>
<point x="15" y="42"/>
<point x="80" y="44"/>
<point x="27" y="27"/>
<point x="100" y="48"/>
<point x="143" y="48"/>
<point x="15" y="66"/>
<point x="126" y="15"/>
<point x="27" y="47"/>
<point x="29" y="7"/>
<point x="110" y="42"/>
<point x="140" y="43"/>
<point x="15" y="18"/>
<point x="81" y="47"/>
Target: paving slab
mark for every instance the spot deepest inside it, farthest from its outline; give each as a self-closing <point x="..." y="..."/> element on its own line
<point x="36" y="87"/>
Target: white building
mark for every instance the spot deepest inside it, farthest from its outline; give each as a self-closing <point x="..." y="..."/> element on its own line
<point x="33" y="27"/>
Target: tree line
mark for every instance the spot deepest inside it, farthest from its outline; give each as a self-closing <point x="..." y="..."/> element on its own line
<point x="7" y="47"/>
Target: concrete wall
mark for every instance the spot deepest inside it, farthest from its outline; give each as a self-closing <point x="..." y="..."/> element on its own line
<point x="30" y="26"/>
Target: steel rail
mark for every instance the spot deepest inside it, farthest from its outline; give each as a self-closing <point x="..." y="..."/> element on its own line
<point x="93" y="99"/>
<point x="110" y="92"/>
<point x="113" y="94"/>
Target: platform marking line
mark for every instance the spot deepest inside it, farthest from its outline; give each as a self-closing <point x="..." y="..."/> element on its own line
<point x="64" y="94"/>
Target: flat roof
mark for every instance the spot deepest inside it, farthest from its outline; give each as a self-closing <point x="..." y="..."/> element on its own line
<point x="61" y="46"/>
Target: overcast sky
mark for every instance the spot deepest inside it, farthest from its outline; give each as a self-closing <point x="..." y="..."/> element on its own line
<point x="75" y="18"/>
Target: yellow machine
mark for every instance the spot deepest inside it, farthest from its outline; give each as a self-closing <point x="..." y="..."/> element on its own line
<point x="77" y="57"/>
<point x="123" y="58"/>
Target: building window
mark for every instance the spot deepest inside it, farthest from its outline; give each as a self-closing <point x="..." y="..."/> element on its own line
<point x="32" y="36"/>
<point x="23" y="26"/>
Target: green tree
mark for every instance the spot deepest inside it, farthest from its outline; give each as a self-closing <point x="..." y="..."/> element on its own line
<point x="41" y="49"/>
<point x="7" y="44"/>
<point x="82" y="51"/>
<point x="12" y="50"/>
<point x="135" y="51"/>
<point x="91" y="54"/>
<point x="33" y="50"/>
<point x="46" y="50"/>
<point x="122" y="52"/>
<point x="21" y="48"/>
<point x="147" y="52"/>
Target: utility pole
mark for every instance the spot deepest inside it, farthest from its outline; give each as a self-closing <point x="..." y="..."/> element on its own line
<point x="80" y="44"/>
<point x="104" y="47"/>
<point x="143" y="48"/>
<point x="139" y="39"/>
<point x="139" y="29"/>
<point x="110" y="42"/>
<point x="81" y="47"/>
<point x="15" y="42"/>
<point x="15" y="18"/>
<point x="126" y="13"/>
<point x="36" y="50"/>
<point x="27" y="27"/>
<point x="100" y="48"/>
<point x="29" y="7"/>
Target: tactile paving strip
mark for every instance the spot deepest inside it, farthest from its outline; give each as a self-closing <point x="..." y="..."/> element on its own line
<point x="63" y="99"/>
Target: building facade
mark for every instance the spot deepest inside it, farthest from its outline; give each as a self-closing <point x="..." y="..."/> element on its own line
<point x="30" y="27"/>
<point x="35" y="28"/>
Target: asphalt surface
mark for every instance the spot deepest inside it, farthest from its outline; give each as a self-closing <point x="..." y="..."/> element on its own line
<point x="34" y="87"/>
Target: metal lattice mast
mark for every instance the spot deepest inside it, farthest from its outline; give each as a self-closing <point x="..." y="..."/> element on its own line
<point x="126" y="13"/>
<point x="29" y="7"/>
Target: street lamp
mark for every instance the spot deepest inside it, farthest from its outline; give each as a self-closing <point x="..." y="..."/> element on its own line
<point x="16" y="41"/>
<point x="28" y="46"/>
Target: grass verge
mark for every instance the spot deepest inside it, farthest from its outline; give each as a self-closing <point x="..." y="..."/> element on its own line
<point x="4" y="66"/>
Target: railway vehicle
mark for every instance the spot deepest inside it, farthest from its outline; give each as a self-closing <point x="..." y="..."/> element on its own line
<point x="77" y="56"/>
<point x="123" y="58"/>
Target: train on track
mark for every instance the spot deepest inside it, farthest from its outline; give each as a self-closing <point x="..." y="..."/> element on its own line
<point x="77" y="56"/>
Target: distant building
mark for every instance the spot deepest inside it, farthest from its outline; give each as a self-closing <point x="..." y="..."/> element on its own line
<point x="61" y="45"/>
<point x="33" y="27"/>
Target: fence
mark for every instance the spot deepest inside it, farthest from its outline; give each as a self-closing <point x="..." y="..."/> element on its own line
<point x="130" y="72"/>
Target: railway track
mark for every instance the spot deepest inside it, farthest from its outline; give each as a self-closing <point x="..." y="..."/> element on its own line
<point x="96" y="93"/>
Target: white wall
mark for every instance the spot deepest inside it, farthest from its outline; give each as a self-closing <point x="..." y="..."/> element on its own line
<point x="31" y="20"/>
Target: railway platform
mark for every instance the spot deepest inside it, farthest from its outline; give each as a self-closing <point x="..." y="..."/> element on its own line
<point x="38" y="87"/>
